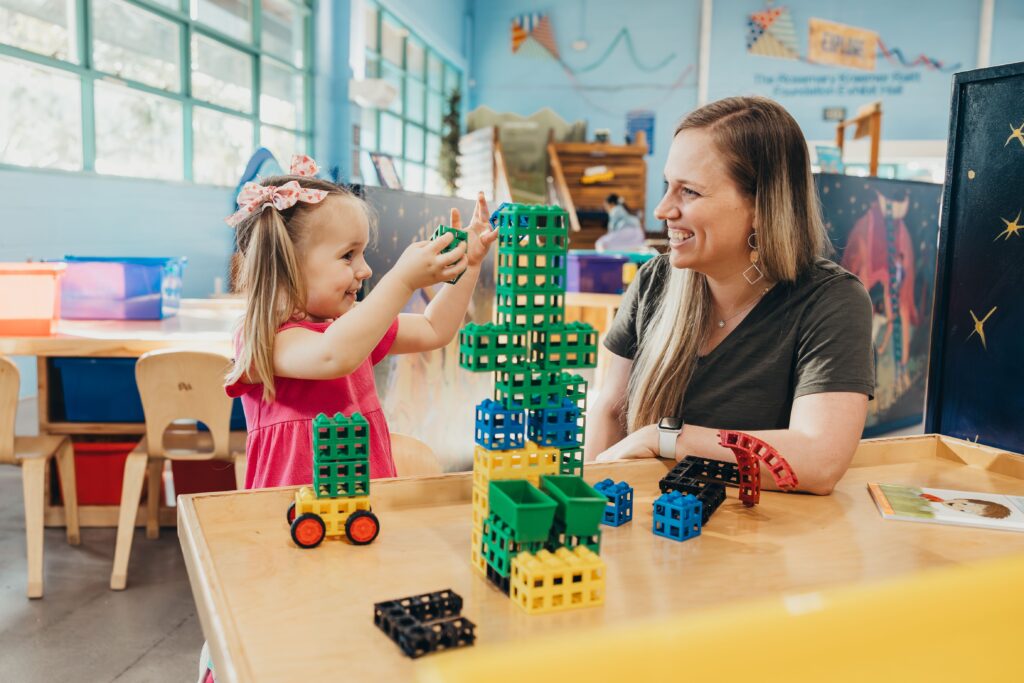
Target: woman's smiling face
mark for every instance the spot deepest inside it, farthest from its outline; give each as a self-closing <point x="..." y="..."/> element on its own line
<point x="709" y="219"/>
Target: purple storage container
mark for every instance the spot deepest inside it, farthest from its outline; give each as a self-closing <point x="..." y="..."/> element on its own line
<point x="595" y="273"/>
<point x="102" y="288"/>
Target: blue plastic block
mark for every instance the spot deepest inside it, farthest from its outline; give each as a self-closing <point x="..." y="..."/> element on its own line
<point x="677" y="516"/>
<point x="620" y="502"/>
<point x="498" y="428"/>
<point x="562" y="426"/>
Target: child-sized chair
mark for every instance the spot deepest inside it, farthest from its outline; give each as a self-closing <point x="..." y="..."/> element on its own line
<point x="32" y="453"/>
<point x="175" y="386"/>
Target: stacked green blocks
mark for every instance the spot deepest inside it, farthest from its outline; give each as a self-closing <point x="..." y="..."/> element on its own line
<point x="490" y="347"/>
<point x="460" y="237"/>
<point x="341" y="456"/>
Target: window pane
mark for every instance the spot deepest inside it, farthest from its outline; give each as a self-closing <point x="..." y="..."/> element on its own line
<point x="392" y="42"/>
<point x="222" y="146"/>
<point x="232" y="17"/>
<point x="433" y="149"/>
<point x="413" y="142"/>
<point x="390" y="134"/>
<point x="40" y="26"/>
<point x="452" y="79"/>
<point x="220" y="74"/>
<point x="283" y="29"/>
<point x="413" y="178"/>
<point x="137" y="134"/>
<point x="414" y="58"/>
<point x="282" y="143"/>
<point x="40" y="116"/>
<point x="370" y="27"/>
<point x="395" y="78"/>
<point x="368" y="134"/>
<point x="134" y="44"/>
<point x="435" y="71"/>
<point x="372" y="67"/>
<point x="415" y="102"/>
<point x="281" y="95"/>
<point x="435" y="105"/>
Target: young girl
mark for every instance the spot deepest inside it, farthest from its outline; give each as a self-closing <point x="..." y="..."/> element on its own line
<point x="305" y="347"/>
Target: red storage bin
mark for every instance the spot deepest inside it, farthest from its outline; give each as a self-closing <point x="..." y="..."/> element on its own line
<point x="202" y="476"/>
<point x="99" y="471"/>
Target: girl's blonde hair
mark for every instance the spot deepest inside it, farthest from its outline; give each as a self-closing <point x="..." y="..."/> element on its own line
<point x="765" y="155"/>
<point x="269" y="274"/>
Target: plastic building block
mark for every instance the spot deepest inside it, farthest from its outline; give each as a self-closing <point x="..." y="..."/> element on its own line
<point x="563" y="426"/>
<point x="529" y="386"/>
<point x="531" y="272"/>
<point x="572" y="345"/>
<point x="559" y="539"/>
<point x="692" y="467"/>
<point x="498" y="428"/>
<point x="340" y="438"/>
<point x="315" y="518"/>
<point x="572" y="461"/>
<point x="489" y="347"/>
<point x="481" y="508"/>
<point x="495" y="577"/>
<point x="619" y="509"/>
<point x="580" y="506"/>
<point x="779" y="469"/>
<point x="344" y="478"/>
<point x="529" y="463"/>
<point x="476" y="556"/>
<point x="421" y="624"/>
<point x="500" y="545"/>
<point x="574" y="388"/>
<point x="530" y="309"/>
<point x="710" y="495"/>
<point x="526" y="510"/>
<point x="552" y="582"/>
<point x="677" y="516"/>
<point x="532" y="228"/>
<point x="460" y="237"/>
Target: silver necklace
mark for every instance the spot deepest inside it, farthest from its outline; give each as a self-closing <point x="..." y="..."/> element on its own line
<point x="723" y="321"/>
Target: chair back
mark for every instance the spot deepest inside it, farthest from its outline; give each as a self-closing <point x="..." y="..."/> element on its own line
<point x="10" y="381"/>
<point x="412" y="457"/>
<point x="184" y="385"/>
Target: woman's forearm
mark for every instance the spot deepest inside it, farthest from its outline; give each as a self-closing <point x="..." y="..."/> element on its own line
<point x="604" y="428"/>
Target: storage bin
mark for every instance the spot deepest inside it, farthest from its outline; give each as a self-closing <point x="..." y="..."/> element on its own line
<point x="30" y="298"/>
<point x="94" y="390"/>
<point x="594" y="273"/>
<point x="102" y="288"/>
<point x="202" y="476"/>
<point x="99" y="471"/>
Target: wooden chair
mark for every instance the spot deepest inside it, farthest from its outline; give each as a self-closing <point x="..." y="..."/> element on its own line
<point x="174" y="386"/>
<point x="412" y="457"/>
<point x="32" y="453"/>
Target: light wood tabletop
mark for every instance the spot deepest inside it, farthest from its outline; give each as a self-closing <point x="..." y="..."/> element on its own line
<point x="274" y="612"/>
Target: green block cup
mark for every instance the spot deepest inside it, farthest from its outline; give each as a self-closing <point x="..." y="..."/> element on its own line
<point x="460" y="237"/>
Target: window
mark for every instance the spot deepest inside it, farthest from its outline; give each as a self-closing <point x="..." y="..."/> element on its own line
<point x="409" y="128"/>
<point x="166" y="89"/>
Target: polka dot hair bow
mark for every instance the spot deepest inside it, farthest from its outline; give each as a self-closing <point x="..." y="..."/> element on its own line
<point x="303" y="165"/>
<point x="255" y="197"/>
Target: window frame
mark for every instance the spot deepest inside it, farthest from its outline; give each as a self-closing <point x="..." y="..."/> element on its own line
<point x="187" y="27"/>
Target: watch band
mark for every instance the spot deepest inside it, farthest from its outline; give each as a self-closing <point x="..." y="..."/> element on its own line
<point x="667" y="442"/>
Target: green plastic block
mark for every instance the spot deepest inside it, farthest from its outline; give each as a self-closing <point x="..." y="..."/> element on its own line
<point x="531" y="272"/>
<point x="460" y="237"/>
<point x="342" y="479"/>
<point x="533" y="228"/>
<point x="580" y="505"/>
<point x="559" y="539"/>
<point x="571" y="461"/>
<point x="570" y="345"/>
<point x="490" y="347"/>
<point x="523" y="507"/>
<point x="499" y="545"/>
<point x="530" y="309"/>
<point x="340" y="438"/>
<point x="574" y="388"/>
<point x="529" y="387"/>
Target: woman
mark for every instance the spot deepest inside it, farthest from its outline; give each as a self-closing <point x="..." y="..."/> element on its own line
<point x="743" y="324"/>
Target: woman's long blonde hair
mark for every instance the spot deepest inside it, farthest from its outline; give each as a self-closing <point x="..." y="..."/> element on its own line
<point x="765" y="155"/>
<point x="270" y="276"/>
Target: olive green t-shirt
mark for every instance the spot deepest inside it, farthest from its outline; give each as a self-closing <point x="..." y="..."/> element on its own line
<point x="806" y="337"/>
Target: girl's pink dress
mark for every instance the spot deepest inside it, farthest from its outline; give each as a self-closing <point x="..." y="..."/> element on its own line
<point x="279" y="448"/>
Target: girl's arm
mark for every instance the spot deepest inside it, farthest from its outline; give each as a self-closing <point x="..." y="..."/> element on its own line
<point x="824" y="430"/>
<point x="440" y="322"/>
<point x="349" y="340"/>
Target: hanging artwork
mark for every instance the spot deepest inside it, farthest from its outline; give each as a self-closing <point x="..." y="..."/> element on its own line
<point x="884" y="232"/>
<point x="771" y="34"/>
<point x="537" y="26"/>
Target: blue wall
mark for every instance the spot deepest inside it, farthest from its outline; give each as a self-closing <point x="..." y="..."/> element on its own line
<point x="442" y="24"/>
<point x="1007" y="32"/>
<point x="530" y="79"/>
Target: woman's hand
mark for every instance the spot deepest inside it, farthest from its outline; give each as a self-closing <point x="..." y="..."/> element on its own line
<point x="643" y="443"/>
<point x="480" y="235"/>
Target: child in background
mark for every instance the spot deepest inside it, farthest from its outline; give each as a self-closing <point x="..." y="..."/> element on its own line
<point x="304" y="345"/>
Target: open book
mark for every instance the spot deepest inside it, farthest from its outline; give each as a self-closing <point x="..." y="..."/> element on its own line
<point x="942" y="506"/>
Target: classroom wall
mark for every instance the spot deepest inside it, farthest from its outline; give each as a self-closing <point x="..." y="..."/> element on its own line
<point x="1007" y="29"/>
<point x="658" y="73"/>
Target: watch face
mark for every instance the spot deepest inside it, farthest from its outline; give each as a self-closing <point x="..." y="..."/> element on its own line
<point x="671" y="423"/>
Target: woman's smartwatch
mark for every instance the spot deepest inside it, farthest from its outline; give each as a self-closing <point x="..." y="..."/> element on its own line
<point x="668" y="432"/>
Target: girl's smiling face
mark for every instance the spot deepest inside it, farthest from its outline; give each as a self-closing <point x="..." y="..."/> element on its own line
<point x="332" y="257"/>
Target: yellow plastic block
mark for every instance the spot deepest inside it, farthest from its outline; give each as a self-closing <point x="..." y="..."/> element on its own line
<point x="527" y="463"/>
<point x="480" y="506"/>
<point x="333" y="511"/>
<point x="476" y="556"/>
<point x="552" y="582"/>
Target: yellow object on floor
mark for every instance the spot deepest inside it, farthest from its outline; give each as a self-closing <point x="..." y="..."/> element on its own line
<point x="553" y="582"/>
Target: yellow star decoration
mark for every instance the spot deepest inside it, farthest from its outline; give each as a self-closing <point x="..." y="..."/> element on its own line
<point x="1017" y="133"/>
<point x="1011" y="228"/>
<point x="979" y="326"/>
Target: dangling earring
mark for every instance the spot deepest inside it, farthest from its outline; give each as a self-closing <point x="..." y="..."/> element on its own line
<point x="749" y="273"/>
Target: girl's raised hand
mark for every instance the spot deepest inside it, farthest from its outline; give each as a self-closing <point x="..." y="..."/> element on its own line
<point x="422" y="264"/>
<point x="480" y="235"/>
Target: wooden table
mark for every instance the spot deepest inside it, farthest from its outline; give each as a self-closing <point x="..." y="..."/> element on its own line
<point x="273" y="612"/>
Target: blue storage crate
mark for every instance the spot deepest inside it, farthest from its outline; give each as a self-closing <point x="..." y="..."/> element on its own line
<point x="595" y="273"/>
<point x="94" y="390"/>
<point x="113" y="288"/>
